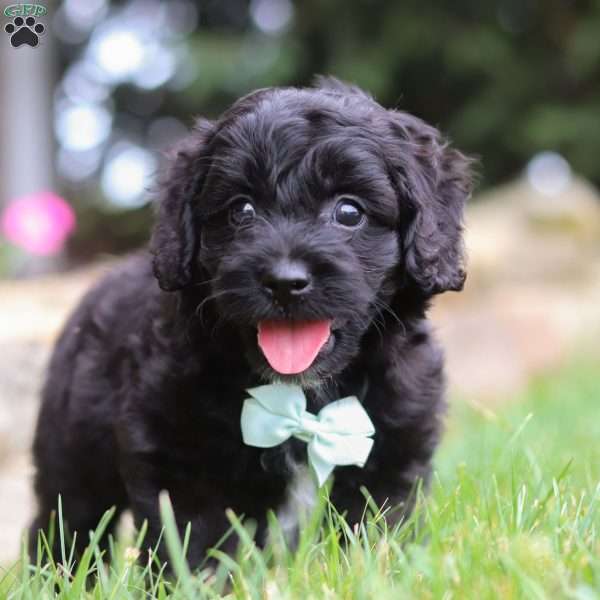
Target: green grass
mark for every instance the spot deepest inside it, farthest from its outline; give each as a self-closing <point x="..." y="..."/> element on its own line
<point x="513" y="512"/>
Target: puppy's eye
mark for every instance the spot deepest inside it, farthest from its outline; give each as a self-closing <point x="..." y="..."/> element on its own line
<point x="348" y="212"/>
<point x="242" y="211"/>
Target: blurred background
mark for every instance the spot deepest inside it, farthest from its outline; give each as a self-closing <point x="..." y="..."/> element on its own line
<point x="86" y="114"/>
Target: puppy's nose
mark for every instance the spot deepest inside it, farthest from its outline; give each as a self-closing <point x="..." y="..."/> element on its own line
<point x="287" y="280"/>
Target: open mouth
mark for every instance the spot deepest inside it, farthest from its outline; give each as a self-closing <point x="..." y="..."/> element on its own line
<point x="291" y="347"/>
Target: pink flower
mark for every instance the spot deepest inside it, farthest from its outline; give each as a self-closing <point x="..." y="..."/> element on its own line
<point x="40" y="223"/>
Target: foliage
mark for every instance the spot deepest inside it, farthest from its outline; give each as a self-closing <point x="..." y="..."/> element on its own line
<point x="514" y="512"/>
<point x="505" y="78"/>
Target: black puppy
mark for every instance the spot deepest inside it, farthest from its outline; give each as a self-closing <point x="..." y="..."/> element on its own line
<point x="299" y="210"/>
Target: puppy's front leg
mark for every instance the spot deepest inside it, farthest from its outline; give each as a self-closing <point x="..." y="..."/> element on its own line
<point x="146" y="477"/>
<point x="399" y="460"/>
<point x="200" y="500"/>
<point x="405" y="402"/>
<point x="392" y="491"/>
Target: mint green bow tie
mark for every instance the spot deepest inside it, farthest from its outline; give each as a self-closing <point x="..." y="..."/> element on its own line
<point x="338" y="435"/>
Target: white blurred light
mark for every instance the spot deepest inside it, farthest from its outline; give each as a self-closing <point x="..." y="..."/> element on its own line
<point x="65" y="30"/>
<point x="83" y="14"/>
<point x="80" y="127"/>
<point x="119" y="52"/>
<point x="156" y="70"/>
<point x="81" y="85"/>
<point x="127" y="174"/>
<point x="78" y="166"/>
<point x="549" y="173"/>
<point x="271" y="16"/>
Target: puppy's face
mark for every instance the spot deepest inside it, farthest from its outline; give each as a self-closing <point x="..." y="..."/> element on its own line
<point x="299" y="212"/>
<point x="298" y="235"/>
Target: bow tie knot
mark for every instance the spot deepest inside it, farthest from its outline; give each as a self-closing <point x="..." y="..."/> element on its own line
<point x="339" y="435"/>
<point x="310" y="424"/>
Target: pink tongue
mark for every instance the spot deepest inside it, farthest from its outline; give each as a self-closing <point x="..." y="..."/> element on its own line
<point x="292" y="346"/>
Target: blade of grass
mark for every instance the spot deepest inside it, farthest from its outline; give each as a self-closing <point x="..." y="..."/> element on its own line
<point x="174" y="545"/>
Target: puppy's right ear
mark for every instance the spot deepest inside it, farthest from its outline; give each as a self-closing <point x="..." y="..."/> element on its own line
<point x="174" y="238"/>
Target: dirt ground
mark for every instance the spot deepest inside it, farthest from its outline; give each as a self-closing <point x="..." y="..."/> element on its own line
<point x="532" y="300"/>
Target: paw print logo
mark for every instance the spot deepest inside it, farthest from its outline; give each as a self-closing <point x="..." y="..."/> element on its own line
<point x="24" y="31"/>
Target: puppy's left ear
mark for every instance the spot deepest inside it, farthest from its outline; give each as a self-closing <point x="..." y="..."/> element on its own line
<point x="434" y="181"/>
<point x="173" y="243"/>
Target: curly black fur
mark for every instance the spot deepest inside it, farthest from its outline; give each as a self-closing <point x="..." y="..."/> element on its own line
<point x="146" y="383"/>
